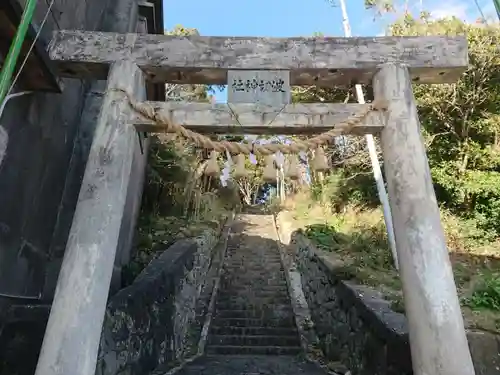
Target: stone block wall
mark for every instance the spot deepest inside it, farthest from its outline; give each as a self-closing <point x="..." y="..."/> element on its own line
<point x="154" y="323"/>
<point x="355" y="324"/>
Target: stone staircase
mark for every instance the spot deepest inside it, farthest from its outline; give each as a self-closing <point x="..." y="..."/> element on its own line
<point x="253" y="328"/>
<point x="253" y="312"/>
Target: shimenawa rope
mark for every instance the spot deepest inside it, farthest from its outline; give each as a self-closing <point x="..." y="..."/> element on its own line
<point x="234" y="148"/>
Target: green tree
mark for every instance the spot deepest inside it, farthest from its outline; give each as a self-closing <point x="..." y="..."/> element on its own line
<point x="460" y="124"/>
<point x="461" y="121"/>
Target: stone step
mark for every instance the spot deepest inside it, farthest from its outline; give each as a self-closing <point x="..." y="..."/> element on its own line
<point x="261" y="273"/>
<point x="253" y="250"/>
<point x="252" y="264"/>
<point x="254" y="314"/>
<point x="252" y="297"/>
<point x="247" y="279"/>
<point x="252" y="305"/>
<point x="253" y="258"/>
<point x="235" y="340"/>
<point x="237" y="270"/>
<point x="226" y="299"/>
<point x="253" y="331"/>
<point x="262" y="264"/>
<point x="286" y="322"/>
<point x="253" y="292"/>
<point x="257" y="284"/>
<point x="254" y="281"/>
<point x="253" y="350"/>
<point x="257" y="296"/>
<point x="264" y="273"/>
<point x="249" y="294"/>
<point x="253" y="289"/>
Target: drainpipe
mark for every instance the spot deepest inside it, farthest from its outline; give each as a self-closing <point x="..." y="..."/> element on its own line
<point x="496" y="3"/>
<point x="15" y="49"/>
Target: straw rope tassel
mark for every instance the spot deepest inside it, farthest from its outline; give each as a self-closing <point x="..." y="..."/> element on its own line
<point x="320" y="161"/>
<point x="212" y="169"/>
<point x="269" y="173"/>
<point x="239" y="169"/>
<point x="293" y="168"/>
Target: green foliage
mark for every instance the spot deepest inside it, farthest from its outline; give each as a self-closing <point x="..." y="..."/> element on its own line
<point x="487" y="294"/>
<point x="182" y="31"/>
<point x="178" y="201"/>
<point x="382" y="6"/>
<point x="324" y="235"/>
<point x="342" y="187"/>
<point x="365" y="243"/>
<point x="461" y="123"/>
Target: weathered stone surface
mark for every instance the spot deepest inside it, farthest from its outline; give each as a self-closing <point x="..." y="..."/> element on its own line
<point x="355" y="324"/>
<point x="251" y="365"/>
<point x="312" y="61"/>
<point x="262" y="119"/>
<point x="485" y="351"/>
<point x="301" y="310"/>
<point x="252" y="310"/>
<point x="149" y="324"/>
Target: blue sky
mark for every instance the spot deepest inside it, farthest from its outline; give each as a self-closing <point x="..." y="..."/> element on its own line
<point x="285" y="18"/>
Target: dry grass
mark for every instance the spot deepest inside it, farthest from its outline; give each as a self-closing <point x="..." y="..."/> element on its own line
<point x="357" y="240"/>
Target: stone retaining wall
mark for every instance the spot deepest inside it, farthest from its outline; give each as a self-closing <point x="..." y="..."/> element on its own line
<point x="355" y="324"/>
<point x="153" y="324"/>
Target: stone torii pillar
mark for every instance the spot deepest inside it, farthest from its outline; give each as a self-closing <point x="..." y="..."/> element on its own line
<point x="436" y="329"/>
<point x="73" y="332"/>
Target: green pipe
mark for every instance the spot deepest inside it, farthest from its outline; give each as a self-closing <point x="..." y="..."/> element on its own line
<point x="497" y="7"/>
<point x="15" y="48"/>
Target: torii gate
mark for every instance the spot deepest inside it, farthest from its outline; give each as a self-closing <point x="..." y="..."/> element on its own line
<point x="437" y="335"/>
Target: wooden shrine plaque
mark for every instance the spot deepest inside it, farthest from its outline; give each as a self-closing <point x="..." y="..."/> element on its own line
<point x="267" y="87"/>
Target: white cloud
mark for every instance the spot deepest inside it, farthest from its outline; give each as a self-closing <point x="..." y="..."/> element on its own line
<point x="463" y="9"/>
<point x="451" y="8"/>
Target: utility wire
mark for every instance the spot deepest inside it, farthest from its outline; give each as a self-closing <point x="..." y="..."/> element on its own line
<point x="480" y="11"/>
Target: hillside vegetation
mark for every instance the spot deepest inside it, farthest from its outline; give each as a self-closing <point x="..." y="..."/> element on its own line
<point x="460" y="123"/>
